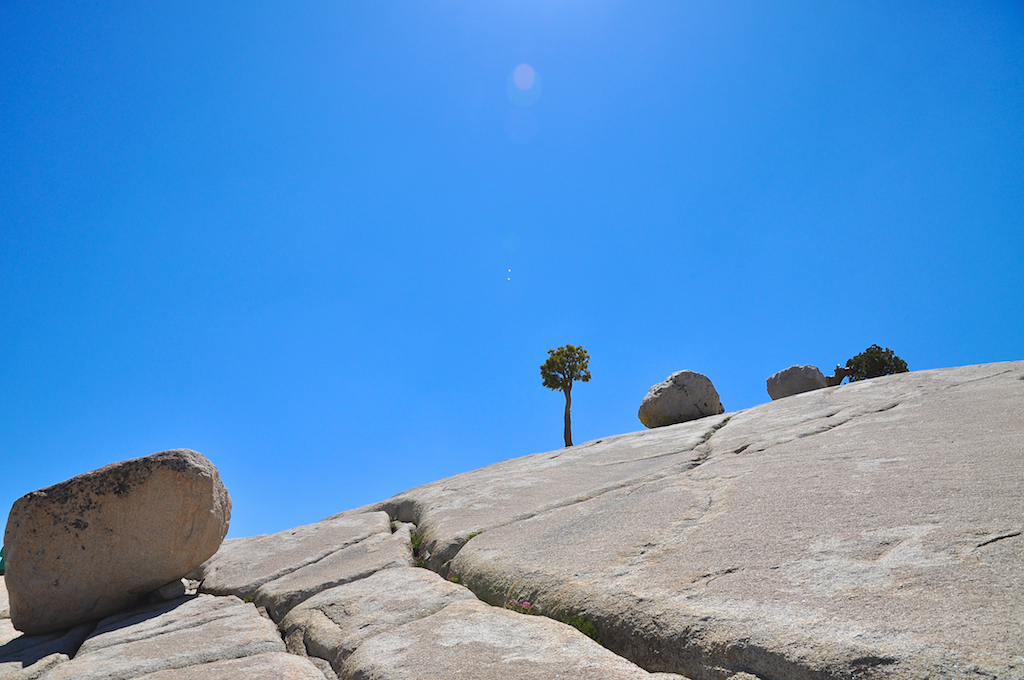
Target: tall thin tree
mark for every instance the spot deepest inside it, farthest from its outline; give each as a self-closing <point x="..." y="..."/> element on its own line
<point x="564" y="366"/>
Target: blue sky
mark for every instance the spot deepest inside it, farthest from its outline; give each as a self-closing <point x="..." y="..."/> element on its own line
<point x="329" y="244"/>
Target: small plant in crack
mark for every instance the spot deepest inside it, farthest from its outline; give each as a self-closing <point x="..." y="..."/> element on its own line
<point x="454" y="578"/>
<point x="471" y="537"/>
<point x="521" y="606"/>
<point x="583" y="625"/>
<point x="420" y="559"/>
<point x="578" y="621"/>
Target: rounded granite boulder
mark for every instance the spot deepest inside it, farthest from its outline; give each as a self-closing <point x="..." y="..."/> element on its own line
<point x="795" y="380"/>
<point x="683" y="396"/>
<point x="92" y="545"/>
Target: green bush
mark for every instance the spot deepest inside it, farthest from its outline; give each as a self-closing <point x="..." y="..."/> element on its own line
<point x="875" y="362"/>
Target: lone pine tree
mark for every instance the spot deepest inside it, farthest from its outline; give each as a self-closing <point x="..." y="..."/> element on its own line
<point x="563" y="366"/>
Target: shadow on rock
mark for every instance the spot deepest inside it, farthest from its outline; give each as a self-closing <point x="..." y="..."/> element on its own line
<point x="28" y="650"/>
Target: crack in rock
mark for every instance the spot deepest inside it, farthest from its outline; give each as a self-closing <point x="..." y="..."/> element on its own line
<point x="1000" y="537"/>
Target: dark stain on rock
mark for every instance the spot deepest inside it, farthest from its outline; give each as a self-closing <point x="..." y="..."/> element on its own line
<point x="120" y="479"/>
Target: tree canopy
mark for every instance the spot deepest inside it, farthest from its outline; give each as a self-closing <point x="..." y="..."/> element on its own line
<point x="875" y="362"/>
<point x="565" y="365"/>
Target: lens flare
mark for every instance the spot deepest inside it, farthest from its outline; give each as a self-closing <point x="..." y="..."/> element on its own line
<point x="523" y="86"/>
<point x="524" y="76"/>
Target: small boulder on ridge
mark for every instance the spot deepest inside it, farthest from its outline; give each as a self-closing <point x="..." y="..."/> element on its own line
<point x="795" y="380"/>
<point x="94" y="544"/>
<point x="683" y="396"/>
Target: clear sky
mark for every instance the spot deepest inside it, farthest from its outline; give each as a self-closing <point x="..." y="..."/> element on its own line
<point x="328" y="244"/>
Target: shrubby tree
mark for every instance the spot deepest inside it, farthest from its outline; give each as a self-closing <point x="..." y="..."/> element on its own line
<point x="875" y="362"/>
<point x="564" y="366"/>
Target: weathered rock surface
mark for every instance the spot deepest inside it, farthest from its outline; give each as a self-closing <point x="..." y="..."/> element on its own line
<point x="867" y="531"/>
<point x="198" y="637"/>
<point x="334" y="623"/>
<point x="451" y="511"/>
<point x="23" y="657"/>
<point x="270" y="666"/>
<point x="871" y="530"/>
<point x="7" y="631"/>
<point x="90" y="546"/>
<point x="380" y="551"/>
<point x="470" y="639"/>
<point x="683" y="396"/>
<point x="795" y="380"/>
<point x="242" y="565"/>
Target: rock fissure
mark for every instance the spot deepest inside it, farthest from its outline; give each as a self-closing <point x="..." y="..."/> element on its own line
<point x="826" y="426"/>
<point x="646" y="458"/>
<point x="441" y="552"/>
<point x="569" y="617"/>
<point x="1000" y="537"/>
<point x="705" y="449"/>
<point x="258" y="583"/>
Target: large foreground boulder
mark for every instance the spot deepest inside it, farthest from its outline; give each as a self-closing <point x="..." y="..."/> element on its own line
<point x="795" y="380"/>
<point x="92" y="545"/>
<point x="683" y="396"/>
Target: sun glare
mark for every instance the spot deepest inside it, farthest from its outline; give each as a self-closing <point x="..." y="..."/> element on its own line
<point x="524" y="76"/>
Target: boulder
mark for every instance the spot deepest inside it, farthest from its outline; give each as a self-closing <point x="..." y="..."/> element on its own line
<point x="795" y="380"/>
<point x="94" y="544"/>
<point x="683" y="396"/>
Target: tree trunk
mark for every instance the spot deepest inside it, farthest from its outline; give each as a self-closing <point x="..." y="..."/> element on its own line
<point x="568" y="425"/>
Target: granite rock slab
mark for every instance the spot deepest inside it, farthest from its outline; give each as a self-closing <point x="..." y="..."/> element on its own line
<point x="868" y="531"/>
<point x="25" y="657"/>
<point x="268" y="666"/>
<point x="332" y="624"/>
<point x="242" y="565"/>
<point x="451" y="511"/>
<point x="186" y="637"/>
<point x="872" y="530"/>
<point x="357" y="561"/>
<point x="8" y="632"/>
<point x="92" y="545"/>
<point x="472" y="640"/>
